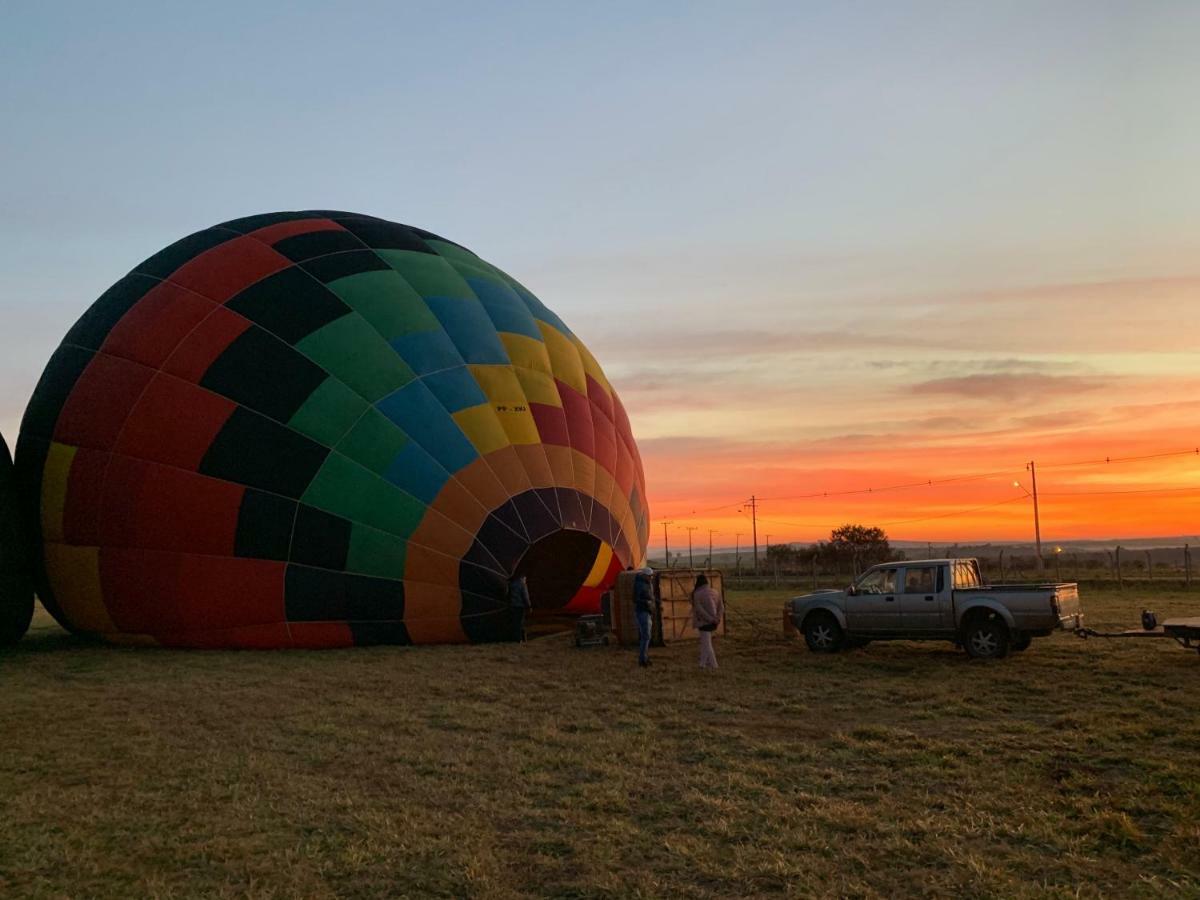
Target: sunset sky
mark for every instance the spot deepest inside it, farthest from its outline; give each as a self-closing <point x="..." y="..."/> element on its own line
<point x="817" y="247"/>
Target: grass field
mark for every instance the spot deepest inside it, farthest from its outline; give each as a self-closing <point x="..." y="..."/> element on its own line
<point x="502" y="771"/>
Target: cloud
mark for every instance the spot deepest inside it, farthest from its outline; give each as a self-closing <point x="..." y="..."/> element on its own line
<point x="676" y="445"/>
<point x="735" y="342"/>
<point x="1190" y="409"/>
<point x="1009" y="386"/>
<point x="1055" y="420"/>
<point x="943" y="367"/>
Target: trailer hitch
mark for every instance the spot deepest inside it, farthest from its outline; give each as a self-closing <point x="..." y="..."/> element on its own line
<point x="1184" y="632"/>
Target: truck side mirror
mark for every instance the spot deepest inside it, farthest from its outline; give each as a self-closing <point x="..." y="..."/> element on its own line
<point x="852" y="591"/>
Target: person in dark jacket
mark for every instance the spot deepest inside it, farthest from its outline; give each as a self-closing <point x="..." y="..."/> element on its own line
<point x="518" y="605"/>
<point x="643" y="608"/>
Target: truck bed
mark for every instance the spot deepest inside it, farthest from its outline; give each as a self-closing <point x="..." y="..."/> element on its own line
<point x="1035" y="607"/>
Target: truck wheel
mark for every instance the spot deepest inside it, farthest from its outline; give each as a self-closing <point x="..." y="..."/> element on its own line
<point x="1019" y="642"/>
<point x="985" y="636"/>
<point x="823" y="634"/>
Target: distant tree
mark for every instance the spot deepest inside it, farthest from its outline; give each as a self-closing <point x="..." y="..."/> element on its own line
<point x="860" y="545"/>
<point x="808" y="554"/>
<point x="782" y="556"/>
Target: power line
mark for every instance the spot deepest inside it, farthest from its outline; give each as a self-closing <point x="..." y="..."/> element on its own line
<point x="957" y="512"/>
<point x="930" y="482"/>
<point x="959" y="479"/>
<point x="1132" y="491"/>
<point x="960" y="512"/>
<point x="893" y="487"/>
<point x="933" y="482"/>
<point x="1109" y="460"/>
<point x="708" y="509"/>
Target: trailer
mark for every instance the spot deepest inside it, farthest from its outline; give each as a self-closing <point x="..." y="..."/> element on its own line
<point x="1185" y="632"/>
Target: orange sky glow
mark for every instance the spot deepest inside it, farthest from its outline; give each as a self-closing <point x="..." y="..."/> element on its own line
<point x="892" y="392"/>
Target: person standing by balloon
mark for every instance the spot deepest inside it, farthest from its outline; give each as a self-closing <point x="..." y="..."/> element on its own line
<point x="707" y="612"/>
<point x="518" y="605"/>
<point x="643" y="608"/>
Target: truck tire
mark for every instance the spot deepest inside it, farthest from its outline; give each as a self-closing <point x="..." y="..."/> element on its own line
<point x="823" y="634"/>
<point x="1019" y="642"/>
<point x="985" y="636"/>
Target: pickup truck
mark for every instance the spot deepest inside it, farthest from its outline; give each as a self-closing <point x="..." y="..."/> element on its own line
<point x="934" y="599"/>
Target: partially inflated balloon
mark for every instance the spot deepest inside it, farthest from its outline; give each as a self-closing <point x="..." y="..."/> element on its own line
<point x="16" y="588"/>
<point x="323" y="429"/>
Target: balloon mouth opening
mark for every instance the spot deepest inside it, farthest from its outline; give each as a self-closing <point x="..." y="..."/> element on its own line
<point x="557" y="566"/>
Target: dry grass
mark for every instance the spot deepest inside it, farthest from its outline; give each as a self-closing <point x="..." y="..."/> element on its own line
<point x="896" y="770"/>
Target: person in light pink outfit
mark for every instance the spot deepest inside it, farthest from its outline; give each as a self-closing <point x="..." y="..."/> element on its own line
<point x="707" y="612"/>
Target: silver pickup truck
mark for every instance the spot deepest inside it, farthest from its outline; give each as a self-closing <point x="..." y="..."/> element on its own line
<point x="934" y="599"/>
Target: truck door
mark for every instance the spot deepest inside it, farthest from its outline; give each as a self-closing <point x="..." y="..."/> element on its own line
<point x="924" y="598"/>
<point x="873" y="606"/>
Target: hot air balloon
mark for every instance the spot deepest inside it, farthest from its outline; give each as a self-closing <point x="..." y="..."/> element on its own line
<point x="16" y="588"/>
<point x="316" y="429"/>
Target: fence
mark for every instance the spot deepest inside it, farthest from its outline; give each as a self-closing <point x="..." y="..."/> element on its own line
<point x="1119" y="566"/>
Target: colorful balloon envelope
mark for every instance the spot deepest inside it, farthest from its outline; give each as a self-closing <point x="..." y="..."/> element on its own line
<point x="310" y="429"/>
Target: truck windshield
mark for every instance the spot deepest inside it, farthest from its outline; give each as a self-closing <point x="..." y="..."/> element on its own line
<point x="881" y="581"/>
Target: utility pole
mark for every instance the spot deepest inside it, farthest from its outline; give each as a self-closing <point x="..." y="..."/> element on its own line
<point x="667" y="543"/>
<point x="753" y="504"/>
<point x="737" y="552"/>
<point x="690" y="529"/>
<point x="710" y="537"/>
<point x="1037" y="519"/>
